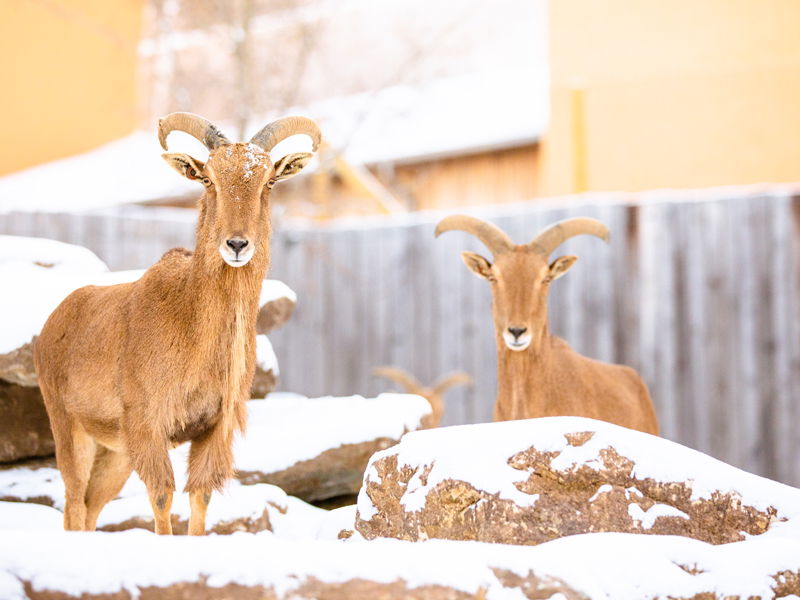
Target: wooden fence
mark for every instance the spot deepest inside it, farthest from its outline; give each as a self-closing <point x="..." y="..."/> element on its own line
<point x="700" y="293"/>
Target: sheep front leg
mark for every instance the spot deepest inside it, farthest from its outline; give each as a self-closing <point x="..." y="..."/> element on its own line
<point x="210" y="466"/>
<point x="161" y="502"/>
<point x="149" y="457"/>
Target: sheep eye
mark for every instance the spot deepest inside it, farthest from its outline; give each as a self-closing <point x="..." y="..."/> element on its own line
<point x="192" y="172"/>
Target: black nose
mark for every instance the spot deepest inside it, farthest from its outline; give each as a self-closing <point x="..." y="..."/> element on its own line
<point x="236" y="244"/>
<point x="517" y="331"/>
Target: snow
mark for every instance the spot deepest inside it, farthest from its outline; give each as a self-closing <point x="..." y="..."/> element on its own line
<point x="605" y="565"/>
<point x="27" y="483"/>
<point x="468" y="113"/>
<point x="15" y="515"/>
<point x="286" y="429"/>
<point x="47" y="255"/>
<point x="648" y="517"/>
<point x="478" y="454"/>
<point x="265" y="355"/>
<point x="273" y="289"/>
<point x="92" y="180"/>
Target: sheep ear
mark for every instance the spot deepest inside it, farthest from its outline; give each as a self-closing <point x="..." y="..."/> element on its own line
<point x="560" y="266"/>
<point x="184" y="164"/>
<point x="478" y="265"/>
<point x="291" y="164"/>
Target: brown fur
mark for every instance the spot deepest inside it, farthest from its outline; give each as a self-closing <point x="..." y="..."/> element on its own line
<point x="548" y="378"/>
<point x="128" y="371"/>
<point x="433" y="394"/>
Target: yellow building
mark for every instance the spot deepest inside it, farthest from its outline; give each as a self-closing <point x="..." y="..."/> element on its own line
<point x="69" y="77"/>
<point x="686" y="93"/>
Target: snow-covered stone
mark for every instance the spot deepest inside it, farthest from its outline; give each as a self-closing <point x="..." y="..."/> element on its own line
<point x="36" y="564"/>
<point x="250" y="508"/>
<point x="30" y="517"/>
<point x="532" y="481"/>
<point x="318" y="448"/>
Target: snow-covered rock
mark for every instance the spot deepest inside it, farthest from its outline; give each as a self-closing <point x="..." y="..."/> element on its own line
<point x="30" y="517"/>
<point x="531" y="481"/>
<point x="318" y="448"/>
<point x="250" y="508"/>
<point x="133" y="564"/>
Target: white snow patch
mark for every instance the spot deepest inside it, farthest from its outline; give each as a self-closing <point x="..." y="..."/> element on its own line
<point x="273" y="289"/>
<point x="265" y="355"/>
<point x="21" y="515"/>
<point x="285" y="429"/>
<point x="92" y="180"/>
<point x="647" y="518"/>
<point x="601" y="490"/>
<point x="47" y="255"/>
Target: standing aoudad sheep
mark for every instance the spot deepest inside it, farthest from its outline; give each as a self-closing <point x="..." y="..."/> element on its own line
<point x="129" y="371"/>
<point x="539" y="375"/>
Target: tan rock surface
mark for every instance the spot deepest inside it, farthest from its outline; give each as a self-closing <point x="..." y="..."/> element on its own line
<point x="24" y="425"/>
<point x="601" y="488"/>
<point x="274" y="313"/>
<point x="333" y="473"/>
<point x="17" y="366"/>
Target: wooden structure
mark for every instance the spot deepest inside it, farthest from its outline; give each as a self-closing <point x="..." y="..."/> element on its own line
<point x="699" y="291"/>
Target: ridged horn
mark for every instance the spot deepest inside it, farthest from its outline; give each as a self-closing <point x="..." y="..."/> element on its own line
<point x="400" y="376"/>
<point x="195" y="125"/>
<point x="277" y="131"/>
<point x="494" y="238"/>
<point x="556" y="234"/>
<point x="450" y="380"/>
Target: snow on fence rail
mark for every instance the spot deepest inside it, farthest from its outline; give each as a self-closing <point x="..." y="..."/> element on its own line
<point x="699" y="291"/>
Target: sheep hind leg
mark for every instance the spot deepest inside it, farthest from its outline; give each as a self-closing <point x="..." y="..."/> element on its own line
<point x="75" y="451"/>
<point x="109" y="473"/>
<point x="198" y="500"/>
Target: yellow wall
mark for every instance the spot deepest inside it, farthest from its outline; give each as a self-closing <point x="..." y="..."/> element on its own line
<point x="678" y="93"/>
<point x="68" y="72"/>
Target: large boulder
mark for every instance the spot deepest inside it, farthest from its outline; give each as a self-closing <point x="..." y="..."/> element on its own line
<point x="318" y="448"/>
<point x="532" y="481"/>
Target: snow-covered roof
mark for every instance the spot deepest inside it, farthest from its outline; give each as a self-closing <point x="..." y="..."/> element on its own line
<point x="405" y="123"/>
<point x="445" y="117"/>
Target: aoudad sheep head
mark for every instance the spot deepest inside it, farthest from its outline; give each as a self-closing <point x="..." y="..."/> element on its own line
<point x="520" y="274"/>
<point x="237" y="176"/>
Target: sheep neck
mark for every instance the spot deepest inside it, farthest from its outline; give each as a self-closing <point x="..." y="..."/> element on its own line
<point x="522" y="379"/>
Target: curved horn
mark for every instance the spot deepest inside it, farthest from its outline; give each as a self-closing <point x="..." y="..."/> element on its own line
<point x="195" y="125"/>
<point x="450" y="380"/>
<point x="552" y="237"/>
<point x="281" y="129"/>
<point x="494" y="238"/>
<point x="400" y="376"/>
